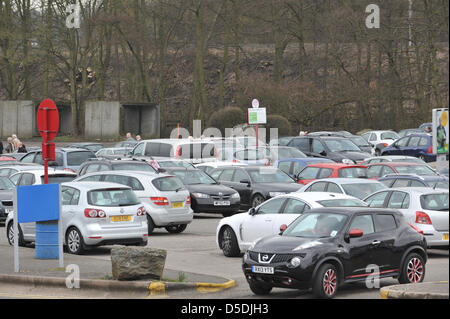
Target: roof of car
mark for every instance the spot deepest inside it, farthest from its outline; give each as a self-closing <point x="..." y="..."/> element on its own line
<point x="336" y="165"/>
<point x="397" y="164"/>
<point x="420" y="190"/>
<point x="315" y="196"/>
<point x="94" y="185"/>
<point x="50" y="171"/>
<point x="307" y="159"/>
<point x="345" y="180"/>
<point x="390" y="157"/>
<point x="86" y="143"/>
<point x="352" y="210"/>
<point x="126" y="173"/>
<point x="414" y="176"/>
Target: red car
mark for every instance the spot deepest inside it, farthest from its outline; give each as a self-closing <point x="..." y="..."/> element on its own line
<point x="378" y="170"/>
<point x="331" y="170"/>
<point x="7" y="159"/>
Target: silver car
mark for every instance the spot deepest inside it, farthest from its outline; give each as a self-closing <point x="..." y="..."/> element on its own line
<point x="93" y="214"/>
<point x="164" y="196"/>
<point x="424" y="208"/>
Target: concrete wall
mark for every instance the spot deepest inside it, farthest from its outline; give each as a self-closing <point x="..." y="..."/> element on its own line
<point x="102" y="119"/>
<point x="17" y="117"/>
<point x="141" y="118"/>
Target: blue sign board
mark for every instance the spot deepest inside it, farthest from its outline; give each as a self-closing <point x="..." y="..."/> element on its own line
<point x="38" y="203"/>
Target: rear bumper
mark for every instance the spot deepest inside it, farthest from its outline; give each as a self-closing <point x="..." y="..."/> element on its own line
<point x="96" y="236"/>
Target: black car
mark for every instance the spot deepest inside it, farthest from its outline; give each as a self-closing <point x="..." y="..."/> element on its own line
<point x="338" y="149"/>
<point x="327" y="247"/>
<point x="255" y="184"/>
<point x="6" y="197"/>
<point x="98" y="165"/>
<point x="207" y="195"/>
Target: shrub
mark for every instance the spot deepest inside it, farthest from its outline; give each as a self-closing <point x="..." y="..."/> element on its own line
<point x="227" y="117"/>
<point x="279" y="122"/>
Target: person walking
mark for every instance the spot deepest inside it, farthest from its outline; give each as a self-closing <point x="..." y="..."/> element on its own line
<point x="9" y="147"/>
<point x="129" y="137"/>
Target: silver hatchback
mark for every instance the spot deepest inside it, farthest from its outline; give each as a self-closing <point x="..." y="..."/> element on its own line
<point x="93" y="214"/>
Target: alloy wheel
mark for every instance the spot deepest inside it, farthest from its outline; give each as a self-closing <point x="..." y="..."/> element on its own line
<point x="415" y="270"/>
<point x="329" y="282"/>
<point x="73" y="240"/>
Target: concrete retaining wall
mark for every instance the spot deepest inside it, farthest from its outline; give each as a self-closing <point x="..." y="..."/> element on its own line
<point x="17" y="117"/>
<point x="102" y="119"/>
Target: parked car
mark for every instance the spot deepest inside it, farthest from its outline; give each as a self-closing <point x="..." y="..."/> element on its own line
<point x="126" y="164"/>
<point x="93" y="214"/>
<point x="93" y="147"/>
<point x="255" y="184"/>
<point x="293" y="166"/>
<point x="36" y="177"/>
<point x="433" y="181"/>
<point x="165" y="163"/>
<point x="424" y="208"/>
<point x="355" y="187"/>
<point x="130" y="144"/>
<point x="361" y="143"/>
<point x="330" y="170"/>
<point x="207" y="195"/>
<point x="338" y="149"/>
<point x="8" y="170"/>
<point x="326" y="248"/>
<point x="392" y="158"/>
<point x="236" y="234"/>
<point x="6" y="197"/>
<point x="409" y="131"/>
<point x="417" y="145"/>
<point x="16" y="155"/>
<point x="423" y="126"/>
<point x="282" y="141"/>
<point x="166" y="200"/>
<point x="209" y="166"/>
<point x="65" y="158"/>
<point x="380" y="139"/>
<point x="378" y="170"/>
<point x="193" y="151"/>
<point x="112" y="152"/>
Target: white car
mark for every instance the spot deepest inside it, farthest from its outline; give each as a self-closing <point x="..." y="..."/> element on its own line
<point x="380" y="140"/>
<point x="164" y="196"/>
<point x="424" y="208"/>
<point x="237" y="233"/>
<point x="36" y="177"/>
<point x="93" y="214"/>
<point x="208" y="167"/>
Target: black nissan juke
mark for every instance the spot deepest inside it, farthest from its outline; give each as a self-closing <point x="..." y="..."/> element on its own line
<point x="327" y="247"/>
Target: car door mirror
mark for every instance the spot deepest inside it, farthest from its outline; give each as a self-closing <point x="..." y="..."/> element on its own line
<point x="52" y="164"/>
<point x="282" y="229"/>
<point x="245" y="181"/>
<point x="355" y="233"/>
<point x="323" y="153"/>
<point x="252" y="211"/>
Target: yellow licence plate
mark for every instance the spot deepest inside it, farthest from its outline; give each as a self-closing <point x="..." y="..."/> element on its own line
<point x="124" y="218"/>
<point x="445" y="237"/>
<point x="177" y="204"/>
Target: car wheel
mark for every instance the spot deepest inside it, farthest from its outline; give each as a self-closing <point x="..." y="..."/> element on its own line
<point x="176" y="229"/>
<point x="228" y="242"/>
<point x="10" y="235"/>
<point x="260" y="289"/>
<point x="227" y="214"/>
<point x="151" y="225"/>
<point x="257" y="200"/>
<point x="74" y="241"/>
<point x="326" y="282"/>
<point x="422" y="158"/>
<point x="377" y="152"/>
<point x="413" y="269"/>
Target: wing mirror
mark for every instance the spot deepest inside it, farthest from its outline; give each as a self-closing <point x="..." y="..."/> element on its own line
<point x="282" y="228"/>
<point x="355" y="233"/>
<point x="252" y="211"/>
<point x="245" y="181"/>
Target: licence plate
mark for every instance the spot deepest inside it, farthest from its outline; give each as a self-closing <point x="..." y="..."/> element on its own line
<point x="222" y="203"/>
<point x="123" y="218"/>
<point x="262" y="270"/>
<point x="177" y="204"/>
<point x="445" y="237"/>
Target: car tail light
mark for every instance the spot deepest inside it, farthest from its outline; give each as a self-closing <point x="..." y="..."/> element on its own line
<point x="385" y="144"/>
<point x="267" y="162"/>
<point x="422" y="218"/>
<point x="430" y="150"/>
<point x="68" y="169"/>
<point x="94" y="213"/>
<point x="160" y="201"/>
<point x="235" y="161"/>
<point x="141" y="211"/>
<point x="188" y="200"/>
<point x="178" y="152"/>
<point x="416" y="229"/>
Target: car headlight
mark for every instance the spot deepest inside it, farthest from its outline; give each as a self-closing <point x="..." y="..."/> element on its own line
<point x="347" y="161"/>
<point x="295" y="262"/>
<point x="235" y="195"/>
<point x="200" y="195"/>
<point x="274" y="194"/>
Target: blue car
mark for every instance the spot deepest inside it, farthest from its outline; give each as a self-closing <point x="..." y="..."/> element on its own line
<point x="293" y="166"/>
<point x="432" y="181"/>
<point x="417" y="145"/>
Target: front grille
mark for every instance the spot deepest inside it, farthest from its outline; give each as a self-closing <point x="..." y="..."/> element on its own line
<point x="217" y="197"/>
<point x="7" y="203"/>
<point x="278" y="258"/>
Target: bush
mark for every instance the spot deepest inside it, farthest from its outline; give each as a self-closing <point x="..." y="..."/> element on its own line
<point x="227" y="117"/>
<point x="279" y="122"/>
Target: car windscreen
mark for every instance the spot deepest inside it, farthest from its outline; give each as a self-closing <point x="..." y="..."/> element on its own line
<point x="58" y="179"/>
<point x="362" y="190"/>
<point x="252" y="155"/>
<point x="133" y="166"/>
<point x="437" y="202"/>
<point x="389" y="136"/>
<point x="353" y="172"/>
<point x="94" y="147"/>
<point x="420" y="170"/>
<point x="168" y="184"/>
<point x="341" y="145"/>
<point x="288" y="152"/>
<point x="358" y="140"/>
<point x="440" y="185"/>
<point x="196" y="150"/>
<point x="112" y="197"/>
<point x="164" y="164"/>
<point x="316" y="225"/>
<point x="5" y="183"/>
<point x="78" y="158"/>
<point x="194" y="177"/>
<point x="342" y="202"/>
<point x="268" y="175"/>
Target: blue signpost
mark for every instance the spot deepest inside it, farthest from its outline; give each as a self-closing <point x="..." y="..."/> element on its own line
<point x="40" y="204"/>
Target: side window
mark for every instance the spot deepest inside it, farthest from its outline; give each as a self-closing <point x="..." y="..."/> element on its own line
<point x="387" y="170"/>
<point x="139" y="149"/>
<point x="93" y="178"/>
<point x="67" y="194"/>
<point x="414" y="141"/>
<point x="152" y="149"/>
<point x="92" y="168"/>
<point x="401" y="182"/>
<point x="325" y="172"/>
<point x="271" y="207"/>
<point x="285" y="167"/>
<point x="135" y="184"/>
<point x="216" y="174"/>
<point x="309" y="173"/>
<point x="402" y="142"/>
<point x="240" y="176"/>
<point x="119" y="179"/>
<point x="295" y="206"/>
<point x="317" y="146"/>
<point x="103" y="167"/>
<point x="388" y="182"/>
<point x="384" y="222"/>
<point x="15" y="179"/>
<point x="165" y="150"/>
<point x="28" y="158"/>
<point x="318" y="187"/>
<point x="423" y="141"/>
<point x="4" y="172"/>
<point x="27" y="179"/>
<point x="398" y="200"/>
<point x="363" y="222"/>
<point x="301" y="143"/>
<point x="297" y="167"/>
<point x="377" y="200"/>
<point x="333" y="188"/>
<point x="227" y="175"/>
<point x="373" y="137"/>
<point x="417" y="184"/>
<point x="374" y="171"/>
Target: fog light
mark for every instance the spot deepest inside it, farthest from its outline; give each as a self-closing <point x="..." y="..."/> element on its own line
<point x="295" y="262"/>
